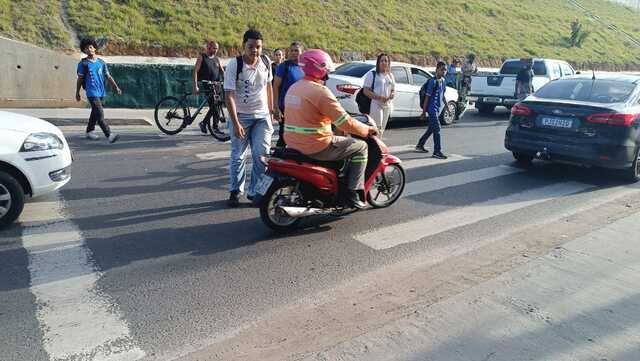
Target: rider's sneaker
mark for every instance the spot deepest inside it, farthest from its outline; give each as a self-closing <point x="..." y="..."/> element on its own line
<point x="203" y="127"/>
<point x="439" y="155"/>
<point x="354" y="200"/>
<point x="92" y="135"/>
<point x="421" y="149"/>
<point x="234" y="199"/>
<point x="113" y="137"/>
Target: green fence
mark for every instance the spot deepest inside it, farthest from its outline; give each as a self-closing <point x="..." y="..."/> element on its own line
<point x="144" y="84"/>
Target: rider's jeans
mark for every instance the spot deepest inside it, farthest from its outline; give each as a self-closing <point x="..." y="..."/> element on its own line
<point x="258" y="130"/>
<point x="347" y="148"/>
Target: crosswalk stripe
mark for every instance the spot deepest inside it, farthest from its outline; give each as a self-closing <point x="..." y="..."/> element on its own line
<point x="457" y="179"/>
<point x="44" y="211"/>
<point x="414" y="230"/>
<point x="77" y="321"/>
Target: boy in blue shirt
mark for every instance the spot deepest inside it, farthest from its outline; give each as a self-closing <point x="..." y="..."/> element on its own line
<point x="286" y="74"/>
<point x="431" y="109"/>
<point x="92" y="72"/>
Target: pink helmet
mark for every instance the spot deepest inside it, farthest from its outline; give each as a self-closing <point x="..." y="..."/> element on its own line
<point x="316" y="63"/>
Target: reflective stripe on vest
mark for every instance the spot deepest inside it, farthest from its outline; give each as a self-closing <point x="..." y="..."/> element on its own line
<point x="338" y="122"/>
<point x="305" y="130"/>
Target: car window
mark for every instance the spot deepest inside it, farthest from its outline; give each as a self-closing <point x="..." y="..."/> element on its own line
<point x="566" y="69"/>
<point x="587" y="90"/>
<point x="357" y="70"/>
<point x="555" y="70"/>
<point x="512" y="67"/>
<point x="419" y="77"/>
<point x="400" y="73"/>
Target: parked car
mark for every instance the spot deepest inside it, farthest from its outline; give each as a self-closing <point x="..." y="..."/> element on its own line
<point x="35" y="159"/>
<point x="489" y="91"/>
<point x="348" y="80"/>
<point x="586" y="120"/>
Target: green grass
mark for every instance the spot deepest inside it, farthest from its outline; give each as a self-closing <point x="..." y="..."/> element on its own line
<point x="493" y="29"/>
<point x="33" y="21"/>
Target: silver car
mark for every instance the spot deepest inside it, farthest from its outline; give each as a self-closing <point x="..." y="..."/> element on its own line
<point x="348" y="79"/>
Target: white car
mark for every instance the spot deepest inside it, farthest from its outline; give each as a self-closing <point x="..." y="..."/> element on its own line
<point x="35" y="159"/>
<point x="348" y="78"/>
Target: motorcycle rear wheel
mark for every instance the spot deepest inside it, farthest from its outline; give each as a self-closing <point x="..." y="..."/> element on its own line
<point x="280" y="193"/>
<point x="390" y="187"/>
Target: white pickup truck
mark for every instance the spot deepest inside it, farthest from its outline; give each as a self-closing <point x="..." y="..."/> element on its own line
<point x="489" y="91"/>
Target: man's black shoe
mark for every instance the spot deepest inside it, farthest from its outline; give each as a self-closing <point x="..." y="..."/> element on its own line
<point x="421" y="149"/>
<point x="439" y="155"/>
<point x="354" y="200"/>
<point x="203" y="127"/>
<point x="234" y="199"/>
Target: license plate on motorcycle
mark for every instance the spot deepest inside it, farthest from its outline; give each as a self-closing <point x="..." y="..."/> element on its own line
<point x="263" y="184"/>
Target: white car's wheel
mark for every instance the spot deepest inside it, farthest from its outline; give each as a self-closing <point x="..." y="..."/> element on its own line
<point x="11" y="199"/>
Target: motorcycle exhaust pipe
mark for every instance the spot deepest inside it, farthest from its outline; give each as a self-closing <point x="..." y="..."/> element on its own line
<point x="299" y="212"/>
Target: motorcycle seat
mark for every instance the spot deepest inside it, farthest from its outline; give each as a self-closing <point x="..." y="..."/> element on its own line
<point x="292" y="154"/>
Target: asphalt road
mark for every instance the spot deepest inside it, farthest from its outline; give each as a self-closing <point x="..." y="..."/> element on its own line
<point x="171" y="270"/>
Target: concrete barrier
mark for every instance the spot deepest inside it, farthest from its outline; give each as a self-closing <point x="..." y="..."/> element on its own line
<point x="35" y="78"/>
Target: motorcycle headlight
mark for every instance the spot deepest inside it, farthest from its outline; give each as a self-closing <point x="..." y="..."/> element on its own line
<point x="41" y="141"/>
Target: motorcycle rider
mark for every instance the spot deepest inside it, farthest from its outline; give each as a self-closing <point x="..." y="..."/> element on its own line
<point x="311" y="109"/>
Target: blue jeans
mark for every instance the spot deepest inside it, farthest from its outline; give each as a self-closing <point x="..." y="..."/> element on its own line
<point x="434" y="128"/>
<point x="258" y="130"/>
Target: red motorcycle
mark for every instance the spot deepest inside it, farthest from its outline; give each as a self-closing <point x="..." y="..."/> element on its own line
<point x="296" y="186"/>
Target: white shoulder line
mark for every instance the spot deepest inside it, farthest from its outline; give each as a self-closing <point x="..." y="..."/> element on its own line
<point x="420" y="228"/>
<point x="77" y="320"/>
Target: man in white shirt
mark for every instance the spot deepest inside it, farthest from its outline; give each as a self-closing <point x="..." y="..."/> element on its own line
<point x="249" y="99"/>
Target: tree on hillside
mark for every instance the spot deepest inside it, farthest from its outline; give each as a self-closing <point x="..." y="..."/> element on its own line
<point x="577" y="34"/>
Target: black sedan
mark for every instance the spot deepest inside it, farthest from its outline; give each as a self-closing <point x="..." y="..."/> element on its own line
<point x="587" y="120"/>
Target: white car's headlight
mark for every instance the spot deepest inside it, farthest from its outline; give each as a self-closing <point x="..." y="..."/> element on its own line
<point x="41" y="141"/>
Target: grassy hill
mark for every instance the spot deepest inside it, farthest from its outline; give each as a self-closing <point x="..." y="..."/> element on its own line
<point x="417" y="30"/>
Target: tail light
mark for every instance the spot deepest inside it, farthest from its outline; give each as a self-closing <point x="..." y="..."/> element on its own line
<point x="347" y="88"/>
<point x="520" y="110"/>
<point x="620" y="119"/>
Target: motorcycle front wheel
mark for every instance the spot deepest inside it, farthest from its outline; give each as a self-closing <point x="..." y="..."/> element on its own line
<point x="283" y="193"/>
<point x="388" y="187"/>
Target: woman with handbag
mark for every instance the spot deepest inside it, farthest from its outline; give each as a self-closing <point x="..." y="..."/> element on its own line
<point x="381" y="92"/>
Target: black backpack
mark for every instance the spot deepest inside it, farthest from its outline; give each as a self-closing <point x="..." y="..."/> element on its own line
<point x="240" y="62"/>
<point x="363" y="101"/>
<point x="423" y="91"/>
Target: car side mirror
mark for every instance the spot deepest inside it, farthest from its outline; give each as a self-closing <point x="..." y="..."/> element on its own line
<point x="578" y="72"/>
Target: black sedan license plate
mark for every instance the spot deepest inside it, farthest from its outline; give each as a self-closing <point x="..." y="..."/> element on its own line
<point x="557" y="122"/>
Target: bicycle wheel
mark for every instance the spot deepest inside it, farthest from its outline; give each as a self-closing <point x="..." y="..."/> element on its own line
<point x="215" y="125"/>
<point x="170" y="115"/>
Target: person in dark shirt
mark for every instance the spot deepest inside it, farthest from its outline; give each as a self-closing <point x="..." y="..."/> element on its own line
<point x="207" y="68"/>
<point x="431" y="109"/>
<point x="286" y="74"/>
<point x="278" y="58"/>
<point x="524" y="80"/>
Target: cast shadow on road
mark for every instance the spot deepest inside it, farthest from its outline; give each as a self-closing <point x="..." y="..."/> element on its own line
<point x="184" y="177"/>
<point x="201" y="240"/>
<point x="133" y="141"/>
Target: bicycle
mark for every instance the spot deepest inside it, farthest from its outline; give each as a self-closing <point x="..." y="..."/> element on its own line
<point x="173" y="114"/>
